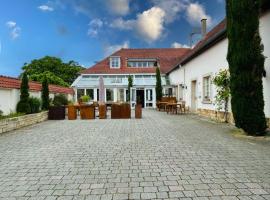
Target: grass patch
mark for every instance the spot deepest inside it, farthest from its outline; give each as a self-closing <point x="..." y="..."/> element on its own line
<point x="239" y="133"/>
<point x="11" y="115"/>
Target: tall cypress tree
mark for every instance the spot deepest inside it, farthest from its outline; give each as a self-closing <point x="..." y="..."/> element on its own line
<point x="23" y="105"/>
<point x="246" y="63"/>
<point x="45" y="94"/>
<point x="158" y="85"/>
<point x="130" y="85"/>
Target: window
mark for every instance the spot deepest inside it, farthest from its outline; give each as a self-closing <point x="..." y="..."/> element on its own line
<point x="206" y="88"/>
<point x="115" y="62"/>
<point x="90" y="93"/>
<point x="80" y="92"/>
<point x="141" y="63"/>
<point x="121" y="95"/>
<point x="109" y="94"/>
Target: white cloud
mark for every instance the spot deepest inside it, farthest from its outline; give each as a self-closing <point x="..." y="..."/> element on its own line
<point x="15" y="30"/>
<point x="11" y="24"/>
<point x="196" y="12"/>
<point x="122" y="24"/>
<point x="119" y="7"/>
<point x="150" y="24"/>
<point x="172" y="8"/>
<point x="45" y="8"/>
<point x="179" y="45"/>
<point x="109" y="49"/>
<point x="94" y="26"/>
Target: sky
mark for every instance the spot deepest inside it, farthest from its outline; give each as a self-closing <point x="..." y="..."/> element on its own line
<point x="86" y="31"/>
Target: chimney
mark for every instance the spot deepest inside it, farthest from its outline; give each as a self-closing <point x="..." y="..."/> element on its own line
<point x="204" y="27"/>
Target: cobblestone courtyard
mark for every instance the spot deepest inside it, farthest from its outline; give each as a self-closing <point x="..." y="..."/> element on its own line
<point x="159" y="157"/>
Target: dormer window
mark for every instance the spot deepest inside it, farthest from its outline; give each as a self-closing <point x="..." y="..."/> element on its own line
<point x="115" y="62"/>
<point x="141" y="63"/>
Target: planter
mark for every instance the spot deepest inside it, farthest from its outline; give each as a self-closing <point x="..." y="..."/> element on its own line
<point x="72" y="112"/>
<point x="87" y="111"/>
<point x="121" y="111"/>
<point x="57" y="113"/>
<point x="102" y="111"/>
<point x="115" y="111"/>
<point x="138" y="111"/>
<point x="125" y="111"/>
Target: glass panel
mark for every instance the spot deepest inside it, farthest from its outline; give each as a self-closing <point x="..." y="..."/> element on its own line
<point x="80" y="92"/>
<point x="149" y="94"/>
<point x="121" y="95"/>
<point x="109" y="94"/>
<point x="133" y="95"/>
<point x="90" y="93"/>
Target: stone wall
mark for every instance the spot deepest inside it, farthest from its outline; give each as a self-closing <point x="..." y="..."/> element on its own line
<point x="22" y="121"/>
<point x="219" y="115"/>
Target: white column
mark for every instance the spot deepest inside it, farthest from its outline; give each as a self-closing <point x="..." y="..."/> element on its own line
<point x="125" y="95"/>
<point x="154" y="97"/>
<point x="95" y="94"/>
<point x="115" y="94"/>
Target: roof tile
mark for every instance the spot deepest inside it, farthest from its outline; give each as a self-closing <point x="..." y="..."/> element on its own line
<point x="15" y="83"/>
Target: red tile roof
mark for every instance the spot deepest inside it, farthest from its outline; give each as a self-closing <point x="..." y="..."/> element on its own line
<point x="166" y="58"/>
<point x="15" y="83"/>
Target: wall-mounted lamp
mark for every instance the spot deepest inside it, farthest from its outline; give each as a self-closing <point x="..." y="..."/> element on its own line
<point x="183" y="86"/>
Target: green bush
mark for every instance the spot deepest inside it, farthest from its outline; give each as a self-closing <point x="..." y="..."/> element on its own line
<point x="45" y="94"/>
<point x="35" y="104"/>
<point x="23" y="107"/>
<point x="1" y="113"/>
<point x="60" y="100"/>
<point x="85" y="98"/>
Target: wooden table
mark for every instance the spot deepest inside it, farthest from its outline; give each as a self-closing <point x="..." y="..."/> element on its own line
<point x="163" y="105"/>
<point x="171" y="107"/>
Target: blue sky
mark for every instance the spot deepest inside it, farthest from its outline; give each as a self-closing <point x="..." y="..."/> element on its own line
<point x="88" y="30"/>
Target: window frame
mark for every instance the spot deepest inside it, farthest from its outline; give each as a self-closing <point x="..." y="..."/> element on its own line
<point x="113" y="62"/>
<point x="206" y="89"/>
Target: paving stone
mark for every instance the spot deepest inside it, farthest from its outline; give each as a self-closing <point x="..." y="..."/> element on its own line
<point x="159" y="157"/>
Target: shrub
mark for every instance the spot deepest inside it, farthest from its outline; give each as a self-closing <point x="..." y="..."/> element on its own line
<point x="45" y="95"/>
<point x="60" y="100"/>
<point x="1" y="113"/>
<point x="85" y="98"/>
<point x="34" y="104"/>
<point x="246" y="62"/>
<point x="23" y="107"/>
<point x="158" y="85"/>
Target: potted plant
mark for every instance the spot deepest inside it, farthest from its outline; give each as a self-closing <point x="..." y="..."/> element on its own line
<point x="85" y="99"/>
<point x="138" y="109"/>
<point x="58" y="110"/>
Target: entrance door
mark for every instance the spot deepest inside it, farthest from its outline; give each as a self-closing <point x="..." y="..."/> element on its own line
<point x="194" y="96"/>
<point x="140" y="96"/>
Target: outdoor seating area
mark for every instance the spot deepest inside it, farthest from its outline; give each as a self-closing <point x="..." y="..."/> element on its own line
<point x="100" y="111"/>
<point x="171" y="106"/>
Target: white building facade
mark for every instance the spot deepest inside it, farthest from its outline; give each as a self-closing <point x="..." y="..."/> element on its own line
<point x="192" y="76"/>
<point x="140" y="64"/>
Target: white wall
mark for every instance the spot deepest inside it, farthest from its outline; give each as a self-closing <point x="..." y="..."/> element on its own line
<point x="265" y="31"/>
<point x="213" y="60"/>
<point x="10" y="97"/>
